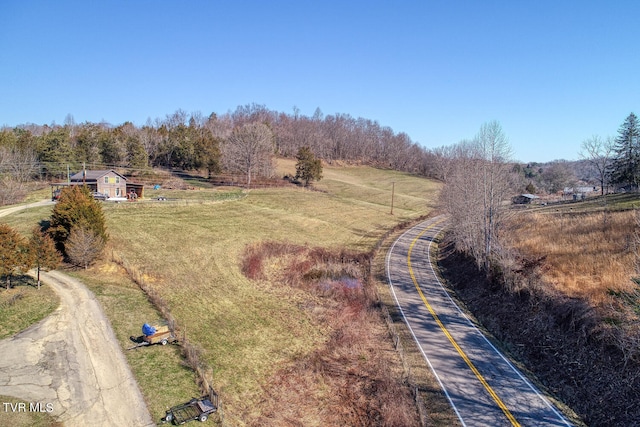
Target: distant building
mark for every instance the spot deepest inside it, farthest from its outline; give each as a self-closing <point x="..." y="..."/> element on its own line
<point x="524" y="199"/>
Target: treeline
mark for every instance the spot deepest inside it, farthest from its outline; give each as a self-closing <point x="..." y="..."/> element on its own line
<point x="194" y="141"/>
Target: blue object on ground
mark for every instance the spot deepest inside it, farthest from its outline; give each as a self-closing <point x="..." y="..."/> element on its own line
<point x="148" y="330"/>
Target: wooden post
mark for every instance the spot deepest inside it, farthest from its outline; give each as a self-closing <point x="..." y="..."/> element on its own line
<point x="393" y="188"/>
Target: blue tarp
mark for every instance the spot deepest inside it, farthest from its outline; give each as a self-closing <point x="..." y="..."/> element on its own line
<point x="148" y="330"/>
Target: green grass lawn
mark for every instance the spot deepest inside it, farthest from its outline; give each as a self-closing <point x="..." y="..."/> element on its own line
<point x="190" y="254"/>
<point x="24" y="305"/>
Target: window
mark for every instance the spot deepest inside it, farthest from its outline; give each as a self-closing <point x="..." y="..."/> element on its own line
<point x="106" y="179"/>
<point x="117" y="180"/>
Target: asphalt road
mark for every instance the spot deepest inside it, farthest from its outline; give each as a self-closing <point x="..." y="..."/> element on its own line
<point x="483" y="387"/>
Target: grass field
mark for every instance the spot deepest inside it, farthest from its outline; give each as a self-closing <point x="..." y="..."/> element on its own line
<point x="589" y="247"/>
<point x="189" y="251"/>
<point x="191" y="256"/>
<point x="24" y="305"/>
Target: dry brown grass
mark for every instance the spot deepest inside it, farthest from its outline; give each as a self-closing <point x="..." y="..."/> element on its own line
<point x="348" y="380"/>
<point x="582" y="255"/>
<point x="562" y="301"/>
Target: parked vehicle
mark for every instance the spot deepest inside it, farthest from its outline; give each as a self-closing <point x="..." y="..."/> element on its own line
<point x="99" y="196"/>
<point x="196" y="409"/>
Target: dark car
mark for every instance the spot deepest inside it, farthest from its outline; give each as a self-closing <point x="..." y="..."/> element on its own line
<point x="99" y="196"/>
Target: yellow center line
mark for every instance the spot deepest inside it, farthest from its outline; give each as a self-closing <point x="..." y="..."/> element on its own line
<point x="462" y="354"/>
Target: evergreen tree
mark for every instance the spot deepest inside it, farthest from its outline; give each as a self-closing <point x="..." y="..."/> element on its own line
<point x="12" y="254"/>
<point x="76" y="207"/>
<point x="625" y="168"/>
<point x="54" y="150"/>
<point x="308" y="167"/>
<point x="43" y="251"/>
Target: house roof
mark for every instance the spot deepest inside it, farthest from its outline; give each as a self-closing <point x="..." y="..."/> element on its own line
<point x="93" y="175"/>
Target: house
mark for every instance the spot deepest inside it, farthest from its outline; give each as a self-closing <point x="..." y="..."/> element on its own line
<point x="108" y="182"/>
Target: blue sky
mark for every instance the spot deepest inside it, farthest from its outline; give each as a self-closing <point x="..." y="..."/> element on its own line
<point x="553" y="73"/>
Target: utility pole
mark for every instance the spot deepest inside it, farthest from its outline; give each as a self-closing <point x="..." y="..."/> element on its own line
<point x="393" y="189"/>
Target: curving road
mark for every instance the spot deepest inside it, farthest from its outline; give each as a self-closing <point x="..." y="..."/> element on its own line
<point x="70" y="363"/>
<point x="483" y="387"/>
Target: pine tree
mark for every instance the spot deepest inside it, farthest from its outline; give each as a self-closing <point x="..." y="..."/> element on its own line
<point x="76" y="208"/>
<point x="43" y="251"/>
<point x="625" y="168"/>
<point x="308" y="168"/>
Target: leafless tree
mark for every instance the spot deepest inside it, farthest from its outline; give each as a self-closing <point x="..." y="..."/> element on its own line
<point x="442" y="162"/>
<point x="557" y="175"/>
<point x="598" y="153"/>
<point x="496" y="154"/>
<point x="83" y="246"/>
<point x="249" y="151"/>
<point x="479" y="181"/>
<point x="17" y="167"/>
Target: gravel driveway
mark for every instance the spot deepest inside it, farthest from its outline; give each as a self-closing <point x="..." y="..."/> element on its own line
<point x="71" y="362"/>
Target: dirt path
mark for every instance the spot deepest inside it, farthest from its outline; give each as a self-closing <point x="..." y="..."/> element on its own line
<point x="72" y="361"/>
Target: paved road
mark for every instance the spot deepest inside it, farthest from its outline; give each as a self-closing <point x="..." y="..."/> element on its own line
<point x="480" y="383"/>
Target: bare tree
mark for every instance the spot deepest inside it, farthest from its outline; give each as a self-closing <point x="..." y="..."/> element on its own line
<point x="17" y="167"/>
<point x="479" y="180"/>
<point x="249" y="150"/>
<point x="83" y="246"/>
<point x="442" y="162"/>
<point x="598" y="152"/>
<point x="496" y="153"/>
<point x="557" y="175"/>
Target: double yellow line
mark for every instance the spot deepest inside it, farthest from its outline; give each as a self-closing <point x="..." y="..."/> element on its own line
<point x="462" y="354"/>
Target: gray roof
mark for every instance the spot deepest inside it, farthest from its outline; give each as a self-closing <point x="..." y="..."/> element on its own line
<point x="93" y="175"/>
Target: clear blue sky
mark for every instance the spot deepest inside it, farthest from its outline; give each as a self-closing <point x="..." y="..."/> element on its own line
<point x="553" y="73"/>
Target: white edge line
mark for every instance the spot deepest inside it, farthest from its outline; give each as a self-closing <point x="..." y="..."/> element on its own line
<point x="395" y="297"/>
<point x="516" y="370"/>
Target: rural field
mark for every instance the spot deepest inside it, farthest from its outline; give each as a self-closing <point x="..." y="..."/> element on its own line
<point x="249" y="333"/>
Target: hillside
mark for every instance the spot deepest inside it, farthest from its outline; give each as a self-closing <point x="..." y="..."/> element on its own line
<point x="314" y="327"/>
<point x="572" y="314"/>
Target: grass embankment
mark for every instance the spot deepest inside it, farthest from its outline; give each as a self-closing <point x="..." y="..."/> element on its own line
<point x="189" y="250"/>
<point x="571" y="310"/>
